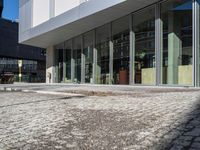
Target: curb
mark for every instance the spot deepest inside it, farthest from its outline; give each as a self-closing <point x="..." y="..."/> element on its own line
<point x="8" y="89"/>
<point x="54" y="93"/>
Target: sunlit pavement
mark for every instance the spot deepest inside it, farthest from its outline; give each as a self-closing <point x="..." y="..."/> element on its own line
<point x="106" y="118"/>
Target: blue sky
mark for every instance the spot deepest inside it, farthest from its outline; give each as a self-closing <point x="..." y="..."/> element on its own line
<point x="11" y="9"/>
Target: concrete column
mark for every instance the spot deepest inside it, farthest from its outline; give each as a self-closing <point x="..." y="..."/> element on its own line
<point x="94" y="72"/>
<point x="158" y="46"/>
<point x="50" y="65"/>
<point x="56" y="65"/>
<point x="82" y="60"/>
<point x="111" y="56"/>
<point x="72" y="63"/>
<point x="64" y="65"/>
<point x="132" y="52"/>
<point x="98" y="66"/>
<point x="174" y="48"/>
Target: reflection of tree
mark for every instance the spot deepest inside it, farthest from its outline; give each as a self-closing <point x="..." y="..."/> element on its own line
<point x="141" y="54"/>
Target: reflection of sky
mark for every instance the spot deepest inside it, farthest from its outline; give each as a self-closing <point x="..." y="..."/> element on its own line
<point x="10" y="10"/>
<point x="185" y="6"/>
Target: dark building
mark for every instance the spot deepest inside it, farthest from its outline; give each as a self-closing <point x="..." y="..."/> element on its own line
<point x="12" y="54"/>
<point x="1" y="7"/>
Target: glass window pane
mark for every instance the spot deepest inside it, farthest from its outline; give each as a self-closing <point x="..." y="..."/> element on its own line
<point x="68" y="49"/>
<point x="59" y="62"/>
<point x="177" y="42"/>
<point x="102" y="46"/>
<point x="77" y="59"/>
<point x="121" y="50"/>
<point x="144" y="31"/>
<point x="88" y="54"/>
<point x="198" y="57"/>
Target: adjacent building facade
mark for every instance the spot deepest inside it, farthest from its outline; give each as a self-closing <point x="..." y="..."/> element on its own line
<point x="137" y="42"/>
<point x="1" y="7"/>
<point x="32" y="59"/>
<point x="26" y="63"/>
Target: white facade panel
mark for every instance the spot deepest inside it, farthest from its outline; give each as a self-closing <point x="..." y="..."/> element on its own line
<point x="25" y="15"/>
<point x="62" y="6"/>
<point x="41" y="11"/>
<point x="53" y="21"/>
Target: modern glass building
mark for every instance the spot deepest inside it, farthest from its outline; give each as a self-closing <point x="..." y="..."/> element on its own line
<point x="121" y="42"/>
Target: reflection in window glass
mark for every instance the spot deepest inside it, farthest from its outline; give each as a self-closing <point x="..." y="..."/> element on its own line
<point x="177" y="42"/>
<point x="30" y="69"/>
<point x="198" y="58"/>
<point x="68" y="46"/>
<point x="88" y="53"/>
<point x="77" y="58"/>
<point x="102" y="46"/>
<point x="121" y="51"/>
<point x="144" y="30"/>
<point x="59" y="62"/>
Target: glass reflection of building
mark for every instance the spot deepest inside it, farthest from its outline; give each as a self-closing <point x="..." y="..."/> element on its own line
<point x="59" y="62"/>
<point x="67" y="53"/>
<point x="88" y="56"/>
<point x="177" y="51"/>
<point x="102" y="55"/>
<point x="144" y="30"/>
<point x="77" y="59"/>
<point x="30" y="69"/>
<point x="121" y="51"/>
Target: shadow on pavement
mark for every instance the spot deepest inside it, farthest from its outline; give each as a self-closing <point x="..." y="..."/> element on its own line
<point x="184" y="135"/>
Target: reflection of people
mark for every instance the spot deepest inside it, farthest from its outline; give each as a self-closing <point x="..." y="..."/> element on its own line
<point x="49" y="76"/>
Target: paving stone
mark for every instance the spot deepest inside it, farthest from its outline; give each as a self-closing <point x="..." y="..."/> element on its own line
<point x="177" y="147"/>
<point x="194" y="132"/>
<point x="186" y="138"/>
<point x="195" y="145"/>
<point x="137" y="118"/>
<point x="197" y="139"/>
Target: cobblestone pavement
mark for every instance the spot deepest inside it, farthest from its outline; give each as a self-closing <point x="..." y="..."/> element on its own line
<point x="152" y="120"/>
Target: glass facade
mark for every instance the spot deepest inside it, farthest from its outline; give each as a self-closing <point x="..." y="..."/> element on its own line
<point x="30" y="69"/>
<point x="120" y="38"/>
<point x="156" y="44"/>
<point x="177" y="54"/>
<point x="59" y="62"/>
<point x="144" y="31"/>
<point x="103" y="56"/>
<point x="198" y="43"/>
<point x="88" y="43"/>
<point x="67" y="61"/>
<point x="77" y="50"/>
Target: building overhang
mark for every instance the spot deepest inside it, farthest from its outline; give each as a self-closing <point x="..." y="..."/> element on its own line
<point x="79" y="20"/>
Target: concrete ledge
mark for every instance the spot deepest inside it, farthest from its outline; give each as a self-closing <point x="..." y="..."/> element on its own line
<point x="54" y="93"/>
